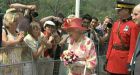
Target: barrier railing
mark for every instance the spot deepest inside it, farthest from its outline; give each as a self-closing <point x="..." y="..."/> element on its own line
<point x="19" y="61"/>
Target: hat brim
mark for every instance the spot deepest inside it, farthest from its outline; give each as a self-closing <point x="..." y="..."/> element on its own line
<point x="48" y="25"/>
<point x="122" y="8"/>
<point x="117" y="8"/>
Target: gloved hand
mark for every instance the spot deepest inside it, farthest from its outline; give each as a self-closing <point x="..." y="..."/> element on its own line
<point x="129" y="69"/>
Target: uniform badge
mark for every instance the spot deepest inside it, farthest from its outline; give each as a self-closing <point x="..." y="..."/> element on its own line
<point x="126" y="28"/>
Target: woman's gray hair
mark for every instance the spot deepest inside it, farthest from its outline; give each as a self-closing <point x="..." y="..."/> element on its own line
<point x="33" y="25"/>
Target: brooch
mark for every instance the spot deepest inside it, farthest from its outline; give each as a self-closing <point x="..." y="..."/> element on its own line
<point x="126" y="28"/>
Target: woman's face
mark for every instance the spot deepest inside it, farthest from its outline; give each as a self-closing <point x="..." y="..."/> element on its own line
<point x="12" y="26"/>
<point x="12" y="21"/>
<point x="50" y="29"/>
<point x="36" y="32"/>
<point x="74" y="34"/>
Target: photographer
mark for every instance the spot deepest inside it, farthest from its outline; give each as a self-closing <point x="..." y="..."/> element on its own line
<point x="57" y="20"/>
<point x="28" y="14"/>
<point x="106" y="29"/>
<point x="106" y="36"/>
<point x="107" y="32"/>
<point x="107" y="20"/>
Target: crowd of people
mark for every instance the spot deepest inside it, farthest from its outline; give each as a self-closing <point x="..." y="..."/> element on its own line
<point x="86" y="37"/>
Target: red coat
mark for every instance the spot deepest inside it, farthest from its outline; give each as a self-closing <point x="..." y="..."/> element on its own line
<point x="118" y="59"/>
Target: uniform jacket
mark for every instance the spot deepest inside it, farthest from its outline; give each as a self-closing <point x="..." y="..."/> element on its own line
<point x="118" y="60"/>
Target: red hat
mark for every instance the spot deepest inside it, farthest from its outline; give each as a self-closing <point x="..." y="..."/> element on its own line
<point x="73" y="23"/>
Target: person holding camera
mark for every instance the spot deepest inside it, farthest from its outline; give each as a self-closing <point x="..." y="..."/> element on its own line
<point x="104" y="25"/>
<point x="106" y="28"/>
<point x="28" y="14"/>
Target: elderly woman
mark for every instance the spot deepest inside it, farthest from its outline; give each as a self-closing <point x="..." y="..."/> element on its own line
<point x="82" y="47"/>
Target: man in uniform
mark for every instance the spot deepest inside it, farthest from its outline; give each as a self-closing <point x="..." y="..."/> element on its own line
<point x="122" y="41"/>
<point x="135" y="65"/>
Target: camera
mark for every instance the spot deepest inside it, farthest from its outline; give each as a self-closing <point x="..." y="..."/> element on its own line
<point x="109" y="25"/>
<point x="34" y="13"/>
<point x="30" y="13"/>
<point x="57" y="21"/>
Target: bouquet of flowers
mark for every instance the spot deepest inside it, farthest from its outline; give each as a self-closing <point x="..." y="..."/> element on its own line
<point x="68" y="57"/>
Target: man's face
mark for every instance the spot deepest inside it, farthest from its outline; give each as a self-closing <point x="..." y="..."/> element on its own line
<point x="86" y="23"/>
<point x="94" y="23"/>
<point x="136" y="15"/>
<point x="122" y="13"/>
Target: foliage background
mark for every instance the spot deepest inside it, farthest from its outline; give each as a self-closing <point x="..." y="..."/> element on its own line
<point x="97" y="8"/>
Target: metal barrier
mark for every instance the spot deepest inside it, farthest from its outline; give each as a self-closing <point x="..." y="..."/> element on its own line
<point x="101" y="58"/>
<point x="12" y="60"/>
<point x="19" y="61"/>
<point x="50" y="67"/>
